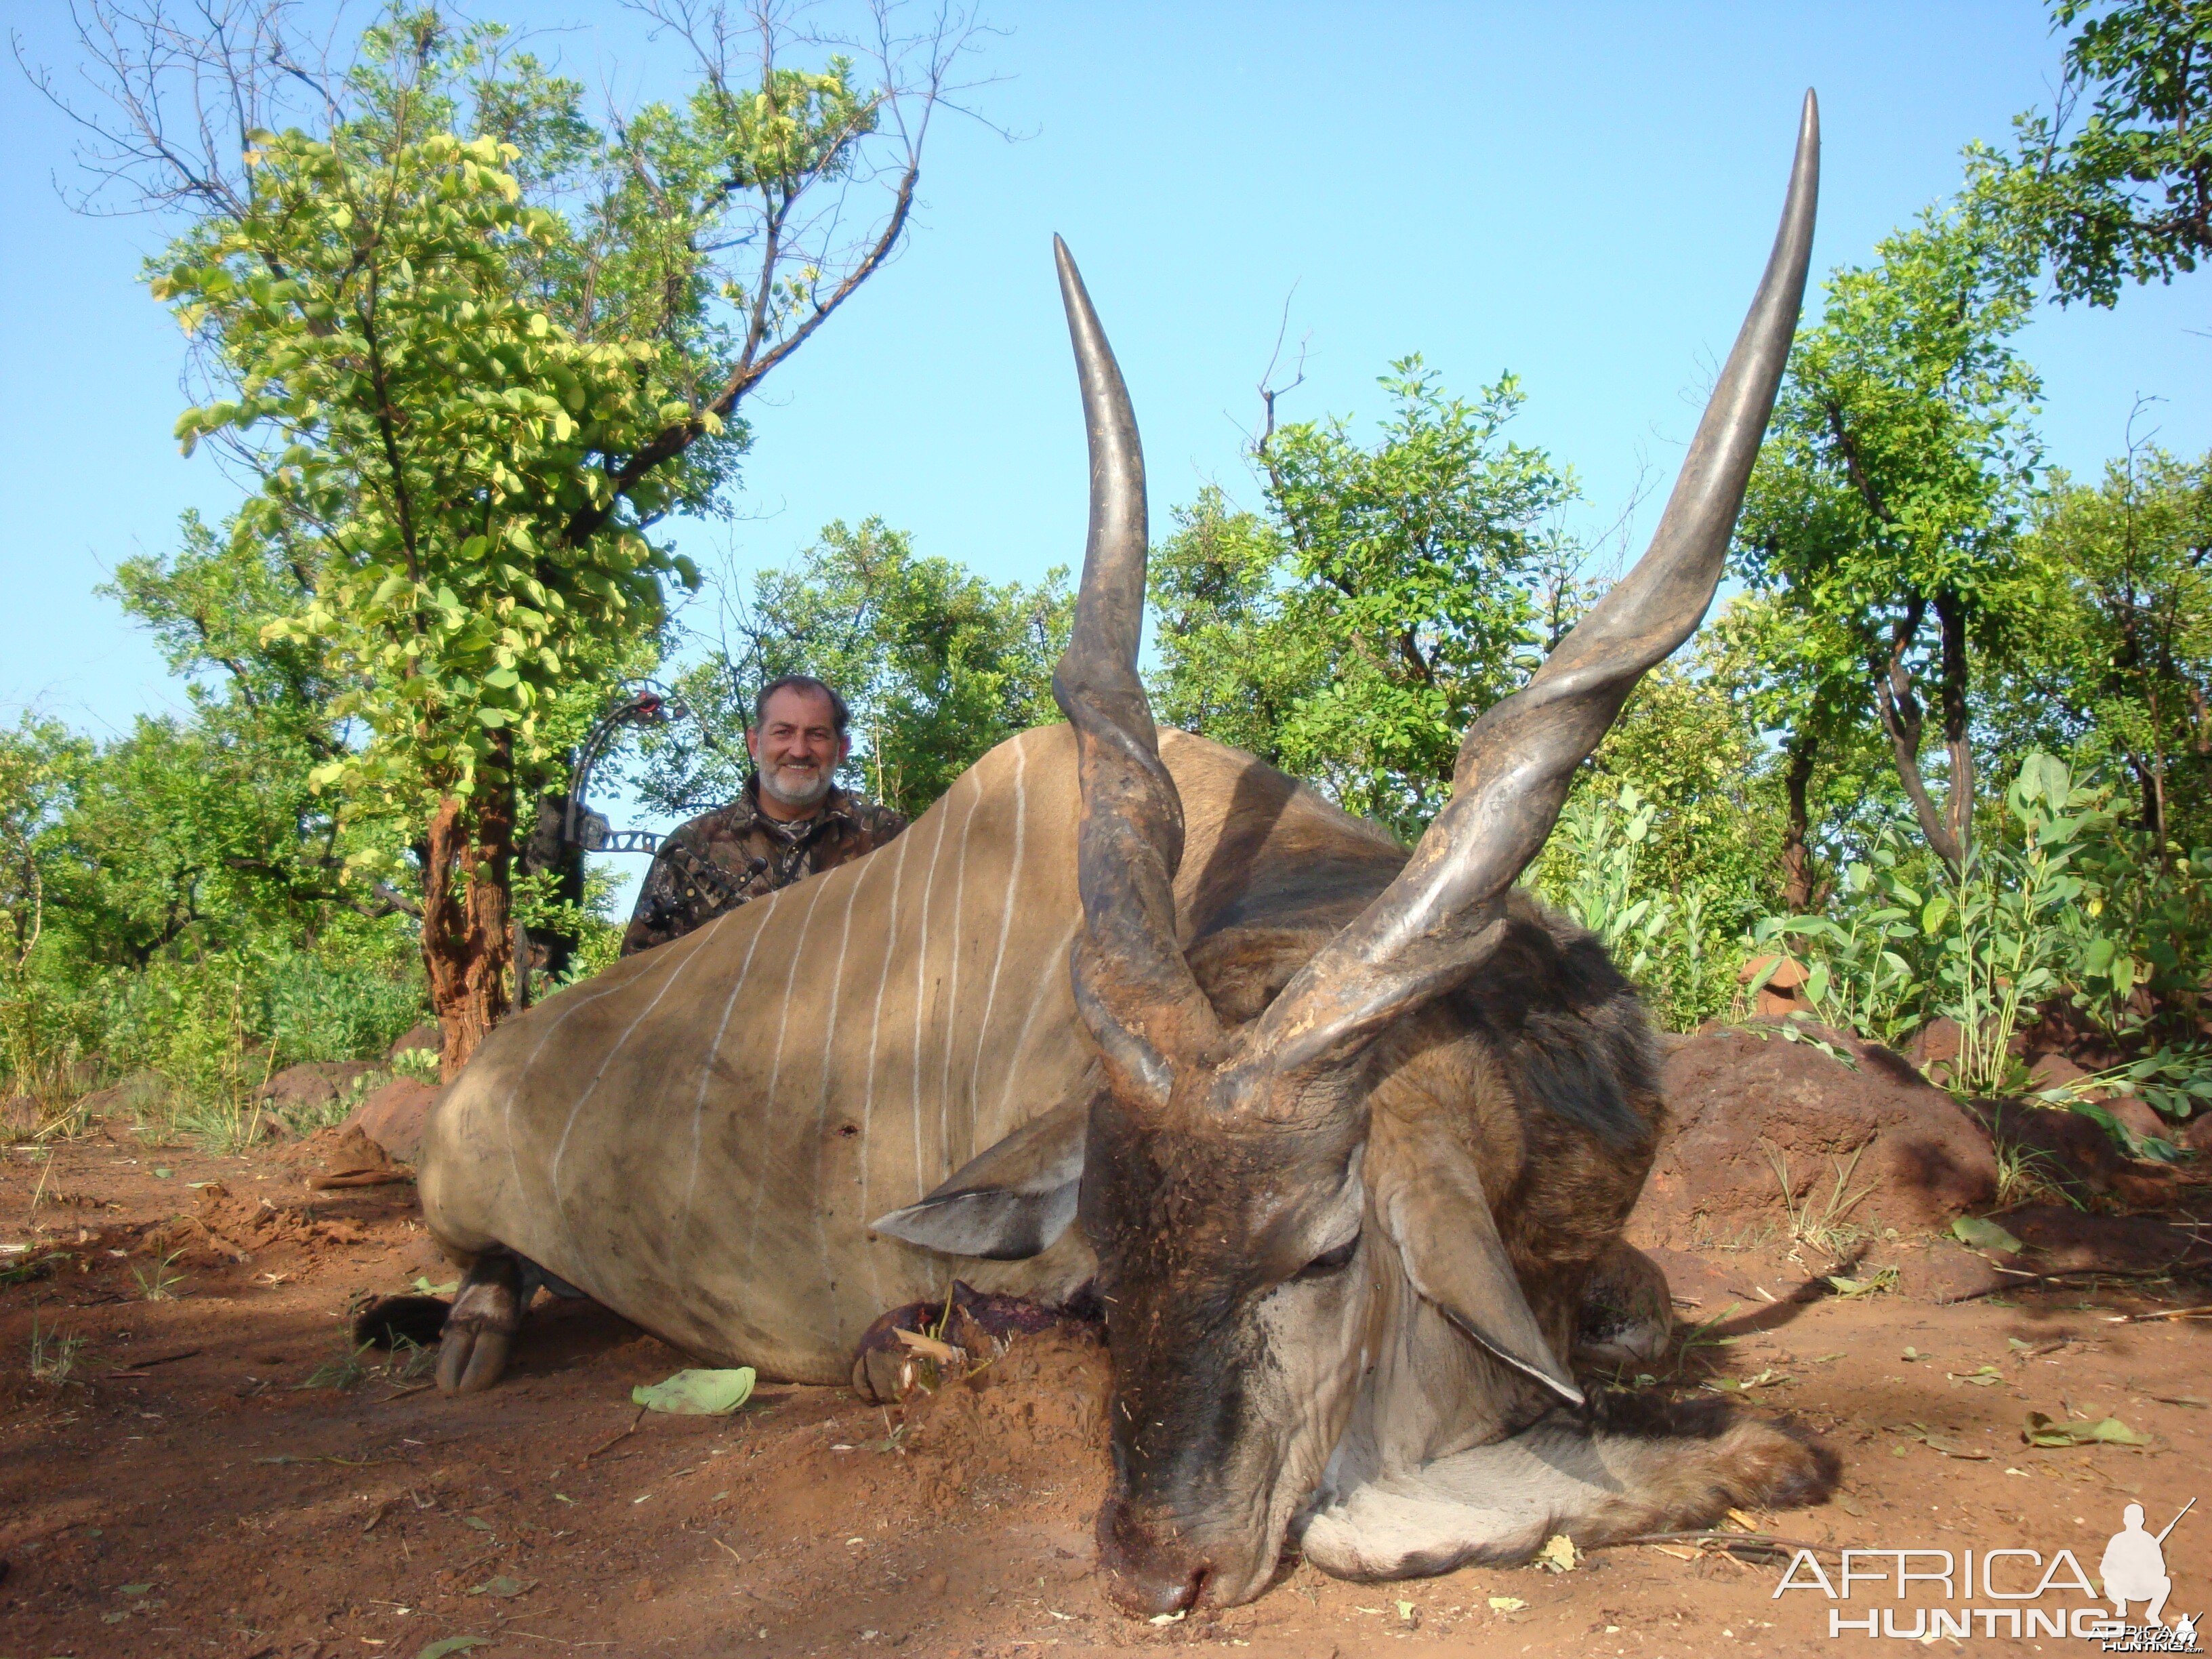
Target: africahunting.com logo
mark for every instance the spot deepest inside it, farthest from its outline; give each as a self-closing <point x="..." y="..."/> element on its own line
<point x="2013" y="1593"/>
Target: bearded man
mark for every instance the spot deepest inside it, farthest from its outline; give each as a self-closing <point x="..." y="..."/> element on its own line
<point x="792" y="821"/>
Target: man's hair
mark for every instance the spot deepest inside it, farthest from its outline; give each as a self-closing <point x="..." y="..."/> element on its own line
<point x="840" y="716"/>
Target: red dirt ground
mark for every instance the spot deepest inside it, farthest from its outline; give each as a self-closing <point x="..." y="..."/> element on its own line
<point x="199" y="1484"/>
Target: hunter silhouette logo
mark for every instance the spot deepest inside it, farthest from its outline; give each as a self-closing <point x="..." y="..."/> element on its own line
<point x="2134" y="1567"/>
<point x="2006" y="1591"/>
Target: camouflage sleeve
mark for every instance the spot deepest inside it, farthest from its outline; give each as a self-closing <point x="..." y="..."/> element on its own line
<point x="879" y="823"/>
<point x="659" y="916"/>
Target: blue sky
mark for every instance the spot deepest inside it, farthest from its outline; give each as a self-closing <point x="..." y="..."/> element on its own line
<point x="1583" y="193"/>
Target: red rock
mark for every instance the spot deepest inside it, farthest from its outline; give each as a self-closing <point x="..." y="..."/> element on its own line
<point x="1742" y="1098"/>
<point x="395" y="1116"/>
<point x="2074" y="1152"/>
<point x="319" y="1082"/>
<point x="2055" y="1072"/>
<point x="2061" y="1240"/>
<point x="2135" y="1115"/>
<point x="422" y="1037"/>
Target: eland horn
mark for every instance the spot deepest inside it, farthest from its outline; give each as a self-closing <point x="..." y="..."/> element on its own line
<point x="1444" y="913"/>
<point x="1134" y="989"/>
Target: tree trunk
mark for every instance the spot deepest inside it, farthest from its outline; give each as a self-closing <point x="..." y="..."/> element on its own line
<point x="1957" y="725"/>
<point x="1797" y="857"/>
<point x="1901" y="719"/>
<point x="467" y="942"/>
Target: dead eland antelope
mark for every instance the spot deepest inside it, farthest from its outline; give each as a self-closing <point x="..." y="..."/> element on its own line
<point x="1343" y="1137"/>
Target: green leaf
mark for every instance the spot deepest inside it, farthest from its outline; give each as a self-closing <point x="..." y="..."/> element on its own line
<point x="2042" y="1431"/>
<point x="698" y="1392"/>
<point x="451" y="1645"/>
<point x="1980" y="1233"/>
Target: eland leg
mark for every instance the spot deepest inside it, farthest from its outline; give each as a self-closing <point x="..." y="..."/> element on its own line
<point x="479" y="1333"/>
<point x="1497" y="1504"/>
<point x="967" y="1325"/>
<point x="1627" y="1315"/>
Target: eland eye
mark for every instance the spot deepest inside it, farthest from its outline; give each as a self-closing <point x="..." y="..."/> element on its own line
<point x="1330" y="1261"/>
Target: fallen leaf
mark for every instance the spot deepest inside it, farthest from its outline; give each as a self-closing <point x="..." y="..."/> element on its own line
<point x="477" y="1521"/>
<point x="1851" y="1505"/>
<point x="438" y="1649"/>
<point x="423" y="1288"/>
<point x="1558" y="1554"/>
<point x="1980" y="1233"/>
<point x="1951" y="1448"/>
<point x="1174" y="1617"/>
<point x="1506" y="1604"/>
<point x="134" y="1590"/>
<point x="698" y="1392"/>
<point x="2041" y="1431"/>
<point x="1913" y="1353"/>
<point x="1406" y="1611"/>
<point x="1981" y="1377"/>
<point x="1732" y="1385"/>
<point x="505" y="1586"/>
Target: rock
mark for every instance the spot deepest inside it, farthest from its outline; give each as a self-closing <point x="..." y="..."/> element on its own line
<point x="422" y="1037"/>
<point x="1783" y="993"/>
<point x="1938" y="1040"/>
<point x="2062" y="1240"/>
<point x="2196" y="1135"/>
<point x="350" y="1159"/>
<point x="140" y="1093"/>
<point x="2072" y="1153"/>
<point x="20" y="1116"/>
<point x="1745" y="1103"/>
<point x="317" y="1083"/>
<point x="395" y="1116"/>
<point x="2133" y="1114"/>
<point x="2055" y="1072"/>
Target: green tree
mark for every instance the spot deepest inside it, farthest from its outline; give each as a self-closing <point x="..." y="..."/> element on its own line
<point x="1894" y="480"/>
<point x="1350" y="630"/>
<point x="472" y="349"/>
<point x="937" y="665"/>
<point x="2120" y="191"/>
<point x="2114" y="659"/>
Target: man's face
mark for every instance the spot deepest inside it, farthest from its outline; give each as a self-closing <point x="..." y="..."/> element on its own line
<point x="797" y="748"/>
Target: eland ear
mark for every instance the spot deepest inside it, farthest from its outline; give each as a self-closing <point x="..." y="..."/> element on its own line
<point x="1007" y="1203"/>
<point x="1428" y="1199"/>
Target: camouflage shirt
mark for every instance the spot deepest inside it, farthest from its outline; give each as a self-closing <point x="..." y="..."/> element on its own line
<point x="723" y="858"/>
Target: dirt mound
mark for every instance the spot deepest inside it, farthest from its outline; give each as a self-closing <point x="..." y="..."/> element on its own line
<point x="1760" y="1111"/>
<point x="1038" y="1409"/>
<point x="317" y="1083"/>
<point x="2073" y="1153"/>
<point x="422" y="1037"/>
<point x="235" y="1227"/>
<point x="396" y="1117"/>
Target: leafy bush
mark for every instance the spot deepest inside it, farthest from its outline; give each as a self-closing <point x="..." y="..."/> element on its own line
<point x="2058" y="901"/>
<point x="1673" y="939"/>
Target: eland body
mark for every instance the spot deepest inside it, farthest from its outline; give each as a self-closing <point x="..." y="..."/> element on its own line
<point x="1342" y="1135"/>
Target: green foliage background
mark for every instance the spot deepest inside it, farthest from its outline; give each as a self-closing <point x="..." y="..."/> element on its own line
<point x="1947" y="742"/>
